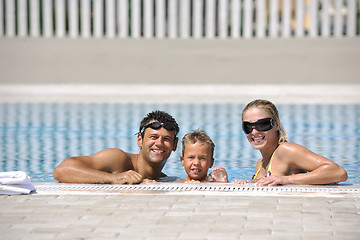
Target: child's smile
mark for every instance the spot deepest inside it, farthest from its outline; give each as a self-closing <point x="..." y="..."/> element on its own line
<point x="197" y="160"/>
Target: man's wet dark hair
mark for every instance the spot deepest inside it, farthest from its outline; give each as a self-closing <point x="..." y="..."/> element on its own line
<point x="158" y="116"/>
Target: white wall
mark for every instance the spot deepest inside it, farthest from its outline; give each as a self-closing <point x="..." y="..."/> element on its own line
<point x="179" y="18"/>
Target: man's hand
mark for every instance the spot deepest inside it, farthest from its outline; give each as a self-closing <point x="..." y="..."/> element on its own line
<point x="128" y="177"/>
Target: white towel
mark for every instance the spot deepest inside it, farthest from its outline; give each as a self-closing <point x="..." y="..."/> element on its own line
<point x="16" y="182"/>
<point x="16" y="177"/>
<point x="16" y="189"/>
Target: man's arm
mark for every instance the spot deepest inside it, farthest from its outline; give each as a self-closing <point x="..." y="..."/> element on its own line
<point x="107" y="166"/>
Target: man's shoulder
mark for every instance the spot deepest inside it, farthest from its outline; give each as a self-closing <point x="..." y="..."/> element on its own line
<point x="114" y="153"/>
<point x="116" y="158"/>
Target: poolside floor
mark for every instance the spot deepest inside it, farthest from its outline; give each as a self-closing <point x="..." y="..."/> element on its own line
<point x="139" y="214"/>
<point x="301" y="71"/>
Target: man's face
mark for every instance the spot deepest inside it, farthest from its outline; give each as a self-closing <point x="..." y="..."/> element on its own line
<point x="157" y="144"/>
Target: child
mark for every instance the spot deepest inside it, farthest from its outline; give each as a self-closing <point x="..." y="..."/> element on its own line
<point x="197" y="158"/>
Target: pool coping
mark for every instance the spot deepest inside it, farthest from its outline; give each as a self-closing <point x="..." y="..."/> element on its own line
<point x="337" y="190"/>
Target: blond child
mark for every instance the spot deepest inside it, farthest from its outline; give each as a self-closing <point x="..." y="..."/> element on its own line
<point x="197" y="158"/>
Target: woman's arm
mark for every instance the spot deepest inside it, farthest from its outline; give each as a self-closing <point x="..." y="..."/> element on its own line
<point x="320" y="170"/>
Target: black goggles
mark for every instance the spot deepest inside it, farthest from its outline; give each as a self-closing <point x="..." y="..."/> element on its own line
<point x="262" y="125"/>
<point x="158" y="125"/>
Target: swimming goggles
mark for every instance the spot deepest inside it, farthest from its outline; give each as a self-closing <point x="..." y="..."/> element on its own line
<point x="262" y="125"/>
<point x="158" y="125"/>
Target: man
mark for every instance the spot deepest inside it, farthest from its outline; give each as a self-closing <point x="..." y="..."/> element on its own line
<point x="157" y="138"/>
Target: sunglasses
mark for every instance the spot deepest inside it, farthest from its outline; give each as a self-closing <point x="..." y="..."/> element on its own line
<point x="158" y="125"/>
<point x="262" y="125"/>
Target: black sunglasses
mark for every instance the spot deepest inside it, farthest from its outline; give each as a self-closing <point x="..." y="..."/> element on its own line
<point x="262" y="125"/>
<point x="158" y="125"/>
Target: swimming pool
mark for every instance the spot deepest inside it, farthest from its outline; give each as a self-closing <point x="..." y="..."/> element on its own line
<point x="36" y="137"/>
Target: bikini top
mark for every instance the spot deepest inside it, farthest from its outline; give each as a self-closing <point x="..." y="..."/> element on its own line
<point x="268" y="172"/>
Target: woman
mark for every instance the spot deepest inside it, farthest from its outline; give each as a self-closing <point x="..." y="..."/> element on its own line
<point x="283" y="162"/>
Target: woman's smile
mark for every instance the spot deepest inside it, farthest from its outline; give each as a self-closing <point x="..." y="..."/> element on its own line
<point x="258" y="139"/>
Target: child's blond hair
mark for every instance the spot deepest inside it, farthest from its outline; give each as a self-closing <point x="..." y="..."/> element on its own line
<point x="198" y="136"/>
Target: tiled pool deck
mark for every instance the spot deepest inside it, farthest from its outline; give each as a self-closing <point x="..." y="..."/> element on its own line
<point x="181" y="214"/>
<point x="306" y="71"/>
<point x="173" y="214"/>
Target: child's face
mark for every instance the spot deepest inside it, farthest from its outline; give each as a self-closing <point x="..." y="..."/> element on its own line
<point x="197" y="160"/>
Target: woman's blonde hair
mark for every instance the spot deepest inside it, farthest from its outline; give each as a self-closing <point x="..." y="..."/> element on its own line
<point x="270" y="108"/>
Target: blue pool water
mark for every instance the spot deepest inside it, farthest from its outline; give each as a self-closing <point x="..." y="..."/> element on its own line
<point x="36" y="137"/>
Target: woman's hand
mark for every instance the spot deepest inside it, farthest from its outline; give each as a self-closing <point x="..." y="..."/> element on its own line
<point x="272" y="181"/>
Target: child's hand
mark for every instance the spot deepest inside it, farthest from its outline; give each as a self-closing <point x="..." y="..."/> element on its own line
<point x="240" y="181"/>
<point x="219" y="174"/>
<point x="147" y="181"/>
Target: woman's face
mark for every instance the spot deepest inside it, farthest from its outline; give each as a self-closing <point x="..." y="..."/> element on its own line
<point x="257" y="138"/>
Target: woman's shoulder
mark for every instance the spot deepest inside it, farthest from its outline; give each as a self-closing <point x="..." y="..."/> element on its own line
<point x="288" y="148"/>
<point x="259" y="161"/>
